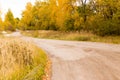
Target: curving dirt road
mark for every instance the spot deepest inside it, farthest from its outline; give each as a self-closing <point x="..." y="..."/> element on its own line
<point x="72" y="60"/>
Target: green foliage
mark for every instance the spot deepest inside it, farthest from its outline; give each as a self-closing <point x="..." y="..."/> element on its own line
<point x="17" y="20"/>
<point x="69" y="24"/>
<point x="103" y="28"/>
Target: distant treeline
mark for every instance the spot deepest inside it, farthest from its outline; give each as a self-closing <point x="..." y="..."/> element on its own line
<point x="101" y="17"/>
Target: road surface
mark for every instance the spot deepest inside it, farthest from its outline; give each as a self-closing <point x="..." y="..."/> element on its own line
<point x="72" y="60"/>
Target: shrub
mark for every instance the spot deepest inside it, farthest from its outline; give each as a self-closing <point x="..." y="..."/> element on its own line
<point x="105" y="28"/>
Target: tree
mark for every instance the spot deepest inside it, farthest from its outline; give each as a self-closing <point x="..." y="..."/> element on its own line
<point x="101" y="17"/>
<point x="1" y="23"/>
<point x="82" y="9"/>
<point x="106" y="17"/>
<point x="9" y="21"/>
<point x="64" y="15"/>
<point x="17" y="20"/>
<point x="26" y="21"/>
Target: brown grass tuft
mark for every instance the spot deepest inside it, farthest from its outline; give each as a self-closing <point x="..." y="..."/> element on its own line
<point x="16" y="56"/>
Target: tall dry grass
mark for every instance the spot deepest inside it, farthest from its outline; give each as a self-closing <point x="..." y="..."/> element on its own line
<point x="18" y="58"/>
<point x="76" y="36"/>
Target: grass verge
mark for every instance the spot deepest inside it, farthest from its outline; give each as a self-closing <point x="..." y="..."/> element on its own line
<point x="75" y="36"/>
<point x="21" y="60"/>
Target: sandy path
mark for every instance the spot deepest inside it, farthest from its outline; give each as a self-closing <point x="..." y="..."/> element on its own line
<point x="72" y="60"/>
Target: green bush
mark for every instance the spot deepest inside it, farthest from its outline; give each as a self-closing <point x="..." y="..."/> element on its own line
<point x="104" y="28"/>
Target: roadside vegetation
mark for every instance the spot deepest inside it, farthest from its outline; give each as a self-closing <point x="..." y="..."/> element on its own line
<point x="93" y="20"/>
<point x="74" y="36"/>
<point x="21" y="60"/>
<point x="100" y="17"/>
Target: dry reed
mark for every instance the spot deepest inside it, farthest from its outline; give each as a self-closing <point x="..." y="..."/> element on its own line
<point x="15" y="54"/>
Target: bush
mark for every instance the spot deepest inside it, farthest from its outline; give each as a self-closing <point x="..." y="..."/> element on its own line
<point x="69" y="24"/>
<point x="104" y="28"/>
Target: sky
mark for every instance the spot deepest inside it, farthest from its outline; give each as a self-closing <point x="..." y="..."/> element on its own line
<point x="16" y="6"/>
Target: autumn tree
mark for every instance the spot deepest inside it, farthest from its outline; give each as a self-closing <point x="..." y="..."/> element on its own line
<point x="65" y="13"/>
<point x="1" y="23"/>
<point x="26" y="21"/>
<point x="44" y="16"/>
<point x="9" y="21"/>
<point x="1" y="26"/>
<point x="53" y="14"/>
<point x="101" y="17"/>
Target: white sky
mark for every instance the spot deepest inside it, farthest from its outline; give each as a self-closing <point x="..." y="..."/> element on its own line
<point x="16" y="6"/>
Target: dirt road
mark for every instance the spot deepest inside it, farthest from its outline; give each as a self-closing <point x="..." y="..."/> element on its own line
<point x="72" y="60"/>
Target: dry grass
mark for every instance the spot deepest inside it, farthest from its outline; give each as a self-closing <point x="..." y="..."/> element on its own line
<point x="76" y="36"/>
<point x="19" y="58"/>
